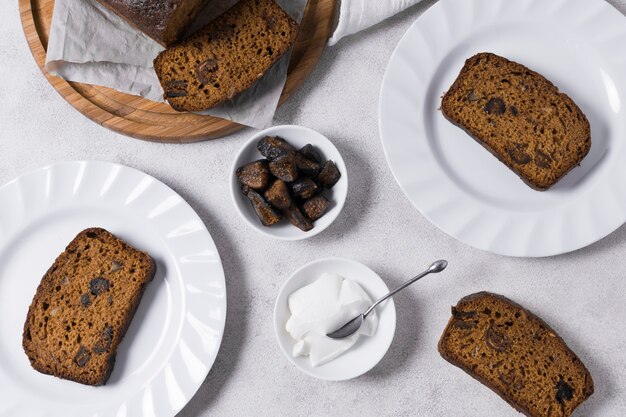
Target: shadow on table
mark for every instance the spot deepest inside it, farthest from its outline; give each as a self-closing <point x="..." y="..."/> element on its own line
<point x="618" y="237"/>
<point x="236" y="318"/>
<point x="358" y="202"/>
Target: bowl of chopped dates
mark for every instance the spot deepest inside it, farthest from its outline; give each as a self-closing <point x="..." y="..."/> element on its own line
<point x="289" y="182"/>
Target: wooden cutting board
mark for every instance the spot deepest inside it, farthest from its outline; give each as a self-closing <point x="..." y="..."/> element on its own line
<point x="144" y="119"/>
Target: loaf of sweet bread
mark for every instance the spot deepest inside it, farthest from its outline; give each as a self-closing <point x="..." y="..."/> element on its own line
<point x="83" y="306"/>
<point x="163" y="20"/>
<point x="226" y="57"/>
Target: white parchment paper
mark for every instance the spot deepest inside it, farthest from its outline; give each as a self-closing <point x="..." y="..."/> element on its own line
<point x="90" y="44"/>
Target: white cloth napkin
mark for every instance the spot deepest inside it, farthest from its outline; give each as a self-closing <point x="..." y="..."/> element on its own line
<point x="90" y="44"/>
<point x="357" y="15"/>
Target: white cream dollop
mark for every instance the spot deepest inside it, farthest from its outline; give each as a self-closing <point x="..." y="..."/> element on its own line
<point x="322" y="307"/>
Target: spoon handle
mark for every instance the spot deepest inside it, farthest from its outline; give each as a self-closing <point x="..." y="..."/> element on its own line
<point x="403" y="286"/>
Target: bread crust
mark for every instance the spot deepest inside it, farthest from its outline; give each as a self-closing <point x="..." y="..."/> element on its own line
<point x="588" y="386"/>
<point x="448" y="110"/>
<point x="40" y="357"/>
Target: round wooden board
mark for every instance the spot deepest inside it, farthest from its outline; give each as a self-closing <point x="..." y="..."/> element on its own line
<point x="144" y="119"/>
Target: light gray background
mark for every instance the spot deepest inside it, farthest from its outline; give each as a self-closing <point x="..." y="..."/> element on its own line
<point x="581" y="294"/>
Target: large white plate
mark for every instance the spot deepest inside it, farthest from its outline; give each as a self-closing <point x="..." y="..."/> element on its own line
<point x="175" y="335"/>
<point x="463" y="189"/>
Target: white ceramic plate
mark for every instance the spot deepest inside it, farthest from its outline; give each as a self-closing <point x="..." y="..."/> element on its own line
<point x="367" y="351"/>
<point x="463" y="189"/>
<point x="297" y="136"/>
<point x="175" y="335"/>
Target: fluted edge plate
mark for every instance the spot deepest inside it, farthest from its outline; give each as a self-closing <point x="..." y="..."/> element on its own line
<point x="461" y="188"/>
<point x="175" y="335"/>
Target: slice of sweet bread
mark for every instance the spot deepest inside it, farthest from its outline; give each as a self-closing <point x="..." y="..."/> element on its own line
<point x="83" y="306"/>
<point x="226" y="57"/>
<point x="520" y="117"/>
<point x="516" y="354"/>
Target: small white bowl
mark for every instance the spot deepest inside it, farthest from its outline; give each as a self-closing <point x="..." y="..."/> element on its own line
<point x="368" y="351"/>
<point x="297" y="136"/>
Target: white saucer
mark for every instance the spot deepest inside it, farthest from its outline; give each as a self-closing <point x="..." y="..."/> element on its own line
<point x="368" y="351"/>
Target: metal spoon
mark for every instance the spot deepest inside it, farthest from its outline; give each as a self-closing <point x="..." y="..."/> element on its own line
<point x="354" y="325"/>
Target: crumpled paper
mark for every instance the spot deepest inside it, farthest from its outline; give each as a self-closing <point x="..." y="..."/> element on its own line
<point x="90" y="44"/>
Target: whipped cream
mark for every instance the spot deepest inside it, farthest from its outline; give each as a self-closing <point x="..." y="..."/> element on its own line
<point x="322" y="307"/>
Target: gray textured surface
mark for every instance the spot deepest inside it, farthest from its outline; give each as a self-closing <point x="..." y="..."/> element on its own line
<point x="580" y="294"/>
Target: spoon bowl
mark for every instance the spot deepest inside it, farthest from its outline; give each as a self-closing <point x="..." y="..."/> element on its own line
<point x="354" y="325"/>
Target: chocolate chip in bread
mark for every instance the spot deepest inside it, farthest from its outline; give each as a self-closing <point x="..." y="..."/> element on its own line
<point x="84" y="305"/>
<point x="520" y="117"/>
<point x="226" y="57"/>
<point x="516" y="354"/>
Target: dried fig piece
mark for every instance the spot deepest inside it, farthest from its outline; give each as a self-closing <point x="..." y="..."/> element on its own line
<point x="82" y="356"/>
<point x="518" y="154"/>
<point x="206" y="70"/>
<point x="104" y="342"/>
<point x="496" y="340"/>
<point x="542" y="160"/>
<point x="495" y="106"/>
<point x="278" y="195"/>
<point x="98" y="285"/>
<point x="263" y="210"/>
<point x="309" y="152"/>
<point x="329" y="175"/>
<point x="272" y="147"/>
<point x="284" y="167"/>
<point x="304" y="188"/>
<point x="295" y="217"/>
<point x="316" y="207"/>
<point x="255" y="175"/>
<point x="307" y="166"/>
<point x="175" y="88"/>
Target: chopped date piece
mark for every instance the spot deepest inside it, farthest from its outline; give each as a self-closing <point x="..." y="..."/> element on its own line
<point x="309" y="152"/>
<point x="278" y="195"/>
<point x="205" y="71"/>
<point x="316" y="207"/>
<point x="255" y="175"/>
<point x="564" y="392"/>
<point x="295" y="217"/>
<point x="329" y="175"/>
<point x="272" y="147"/>
<point x="99" y="285"/>
<point x="495" y="106"/>
<point x="85" y="300"/>
<point x="263" y="210"/>
<point x="104" y="342"/>
<point x="175" y="88"/>
<point x="284" y="167"/>
<point x="82" y="356"/>
<point x="304" y="188"/>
